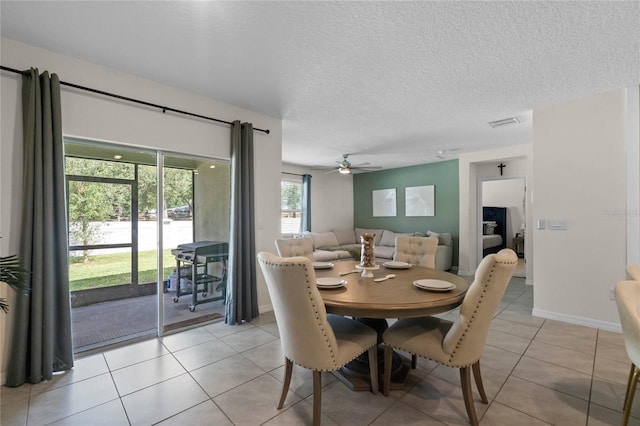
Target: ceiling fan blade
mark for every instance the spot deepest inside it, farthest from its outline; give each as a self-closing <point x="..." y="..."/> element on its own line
<point x="366" y="169"/>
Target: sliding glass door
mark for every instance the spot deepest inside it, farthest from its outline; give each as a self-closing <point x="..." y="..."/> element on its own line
<point x="196" y="193"/>
<point x="117" y="217"/>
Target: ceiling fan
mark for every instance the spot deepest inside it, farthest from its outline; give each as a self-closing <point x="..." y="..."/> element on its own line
<point x="345" y="167"/>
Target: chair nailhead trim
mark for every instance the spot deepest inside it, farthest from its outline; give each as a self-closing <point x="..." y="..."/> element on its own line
<point x="315" y="310"/>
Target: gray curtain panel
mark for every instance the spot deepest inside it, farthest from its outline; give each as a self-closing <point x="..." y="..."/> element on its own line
<point x="41" y="340"/>
<point x="306" y="203"/>
<point x="242" y="295"/>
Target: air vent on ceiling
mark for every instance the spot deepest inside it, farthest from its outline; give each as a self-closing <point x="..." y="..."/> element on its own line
<point x="504" y="122"/>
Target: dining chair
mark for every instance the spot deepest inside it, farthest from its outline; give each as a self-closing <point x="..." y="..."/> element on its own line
<point x="419" y="251"/>
<point x="309" y="336"/>
<point x="290" y="247"/>
<point x="628" y="302"/>
<point x="634" y="271"/>
<point x="457" y="344"/>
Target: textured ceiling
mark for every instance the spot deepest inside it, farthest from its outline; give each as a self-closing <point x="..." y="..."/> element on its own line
<point x="390" y="82"/>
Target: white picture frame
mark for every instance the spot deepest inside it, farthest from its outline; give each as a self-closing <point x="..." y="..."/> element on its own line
<point x="384" y="202"/>
<point x="420" y="201"/>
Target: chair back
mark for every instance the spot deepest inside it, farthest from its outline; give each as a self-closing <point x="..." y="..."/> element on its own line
<point x="291" y="247"/>
<point x="634" y="271"/>
<point x="306" y="336"/>
<point x="419" y="251"/>
<point x="464" y="341"/>
<point x="628" y="301"/>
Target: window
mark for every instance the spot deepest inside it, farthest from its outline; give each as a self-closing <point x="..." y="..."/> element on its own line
<point x="291" y="205"/>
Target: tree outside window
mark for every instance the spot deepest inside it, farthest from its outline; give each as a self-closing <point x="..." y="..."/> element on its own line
<point x="291" y="203"/>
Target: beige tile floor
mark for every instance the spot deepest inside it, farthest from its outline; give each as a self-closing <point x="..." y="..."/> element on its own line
<point x="536" y="372"/>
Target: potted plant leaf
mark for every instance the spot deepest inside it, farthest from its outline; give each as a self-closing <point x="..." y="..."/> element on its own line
<point x="12" y="273"/>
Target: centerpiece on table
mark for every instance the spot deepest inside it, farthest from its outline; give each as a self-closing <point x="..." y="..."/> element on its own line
<point x="367" y="258"/>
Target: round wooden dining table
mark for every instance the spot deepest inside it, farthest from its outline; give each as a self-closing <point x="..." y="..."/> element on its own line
<point x="373" y="302"/>
<point x="393" y="298"/>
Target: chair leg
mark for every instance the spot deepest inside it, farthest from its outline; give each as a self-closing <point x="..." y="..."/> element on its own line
<point x="317" y="397"/>
<point x="386" y="386"/>
<point x="373" y="368"/>
<point x="465" y="381"/>
<point x="414" y="361"/>
<point x="479" y="385"/>
<point x="631" y="390"/>
<point x="288" y="368"/>
<point x="626" y="395"/>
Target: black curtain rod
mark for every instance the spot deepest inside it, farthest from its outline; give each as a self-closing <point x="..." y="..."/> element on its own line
<point x="137" y="101"/>
<point x="293" y="174"/>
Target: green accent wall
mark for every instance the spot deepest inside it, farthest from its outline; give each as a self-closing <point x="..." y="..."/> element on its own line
<point x="443" y="175"/>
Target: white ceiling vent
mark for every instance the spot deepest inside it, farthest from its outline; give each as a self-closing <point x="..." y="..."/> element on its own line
<point x="504" y="122"/>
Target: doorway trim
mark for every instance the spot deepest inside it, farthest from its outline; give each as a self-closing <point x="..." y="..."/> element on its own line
<point x="469" y="164"/>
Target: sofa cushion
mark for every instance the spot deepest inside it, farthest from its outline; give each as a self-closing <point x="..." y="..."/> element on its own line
<point x="324" y="239"/>
<point x="444" y="238"/>
<point x="377" y="232"/>
<point x="444" y="257"/>
<point x="383" y="252"/>
<point x="325" y="255"/>
<point x="345" y="236"/>
<point x="389" y="238"/>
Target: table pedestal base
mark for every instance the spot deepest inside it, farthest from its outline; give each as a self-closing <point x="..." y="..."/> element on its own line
<point x="356" y="373"/>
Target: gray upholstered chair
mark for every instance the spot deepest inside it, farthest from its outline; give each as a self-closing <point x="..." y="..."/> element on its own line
<point x="419" y="251"/>
<point x="457" y="344"/>
<point x="309" y="337"/>
<point x="634" y="271"/>
<point x="290" y="247"/>
<point x="628" y="301"/>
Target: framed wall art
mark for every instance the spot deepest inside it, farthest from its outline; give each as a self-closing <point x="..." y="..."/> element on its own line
<point x="420" y="201"/>
<point x="384" y="202"/>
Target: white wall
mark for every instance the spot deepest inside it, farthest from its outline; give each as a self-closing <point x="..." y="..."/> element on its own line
<point x="96" y="117"/>
<point x="473" y="169"/>
<point x="579" y="176"/>
<point x="331" y="198"/>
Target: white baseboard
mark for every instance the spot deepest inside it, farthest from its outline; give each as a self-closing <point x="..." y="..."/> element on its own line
<point x="572" y="319"/>
<point x="265" y="308"/>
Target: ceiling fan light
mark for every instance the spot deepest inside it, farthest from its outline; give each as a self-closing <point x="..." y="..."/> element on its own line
<point x="344" y="170"/>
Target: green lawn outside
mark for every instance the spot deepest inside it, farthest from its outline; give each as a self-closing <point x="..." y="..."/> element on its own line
<point x="114" y="269"/>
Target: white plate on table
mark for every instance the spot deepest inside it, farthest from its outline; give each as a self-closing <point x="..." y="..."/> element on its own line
<point x="434" y="285"/>
<point x="322" y="265"/>
<point x="396" y="265"/>
<point x="330" y="282"/>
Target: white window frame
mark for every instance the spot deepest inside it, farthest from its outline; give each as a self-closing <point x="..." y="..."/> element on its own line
<point x="288" y="232"/>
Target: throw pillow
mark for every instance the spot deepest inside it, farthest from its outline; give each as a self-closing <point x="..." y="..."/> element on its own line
<point x="434" y="235"/>
<point x="388" y="238"/>
<point x="445" y="239"/>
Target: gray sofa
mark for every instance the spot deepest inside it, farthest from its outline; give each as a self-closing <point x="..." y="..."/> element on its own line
<point x="345" y="244"/>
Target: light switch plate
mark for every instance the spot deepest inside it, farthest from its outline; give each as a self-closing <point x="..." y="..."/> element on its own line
<point x="557" y="224"/>
<point x="541" y="224"/>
